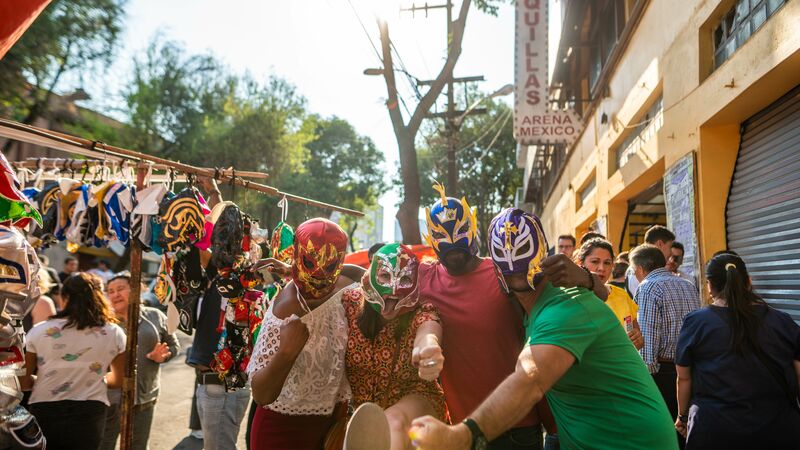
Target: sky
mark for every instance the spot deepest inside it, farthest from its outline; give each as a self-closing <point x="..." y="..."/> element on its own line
<point x="322" y="47"/>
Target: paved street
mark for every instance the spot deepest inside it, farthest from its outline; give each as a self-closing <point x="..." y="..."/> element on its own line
<point x="171" y="423"/>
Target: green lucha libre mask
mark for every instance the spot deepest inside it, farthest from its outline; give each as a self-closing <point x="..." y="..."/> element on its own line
<point x="282" y="243"/>
<point x="391" y="283"/>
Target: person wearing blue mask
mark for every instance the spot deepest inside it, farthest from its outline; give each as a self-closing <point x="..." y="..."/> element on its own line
<point x="576" y="355"/>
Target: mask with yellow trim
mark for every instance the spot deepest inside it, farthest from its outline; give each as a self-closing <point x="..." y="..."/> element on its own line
<point x="452" y="225"/>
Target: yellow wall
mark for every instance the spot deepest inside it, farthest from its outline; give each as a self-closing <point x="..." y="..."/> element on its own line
<point x="669" y="54"/>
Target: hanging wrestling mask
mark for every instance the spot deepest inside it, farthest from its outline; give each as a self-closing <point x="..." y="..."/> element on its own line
<point x="319" y="250"/>
<point x="517" y="245"/>
<point x="391" y="283"/>
<point x="15" y="207"/>
<point x="452" y="226"/>
<point x="281" y="244"/>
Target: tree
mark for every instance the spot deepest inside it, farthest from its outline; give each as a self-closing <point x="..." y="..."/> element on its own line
<point x="74" y="37"/>
<point x="191" y="108"/>
<point x="406" y="132"/>
<point x="487" y="163"/>
<point x="341" y="168"/>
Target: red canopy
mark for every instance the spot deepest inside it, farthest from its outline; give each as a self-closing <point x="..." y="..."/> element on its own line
<point x="359" y="258"/>
<point x="15" y="17"/>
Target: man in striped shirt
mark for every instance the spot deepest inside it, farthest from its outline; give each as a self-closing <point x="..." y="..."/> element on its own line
<point x="664" y="300"/>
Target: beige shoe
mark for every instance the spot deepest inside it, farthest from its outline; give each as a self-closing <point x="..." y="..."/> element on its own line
<point x="368" y="429"/>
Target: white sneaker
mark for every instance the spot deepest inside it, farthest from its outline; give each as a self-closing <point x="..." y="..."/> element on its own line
<point x="368" y="429"/>
<point x="197" y="434"/>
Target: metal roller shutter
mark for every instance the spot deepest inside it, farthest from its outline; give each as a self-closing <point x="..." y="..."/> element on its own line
<point x="763" y="211"/>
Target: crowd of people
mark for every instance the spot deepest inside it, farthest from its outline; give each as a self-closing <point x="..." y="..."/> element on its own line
<point x="522" y="349"/>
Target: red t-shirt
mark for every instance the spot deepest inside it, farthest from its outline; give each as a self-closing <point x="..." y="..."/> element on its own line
<point x="483" y="335"/>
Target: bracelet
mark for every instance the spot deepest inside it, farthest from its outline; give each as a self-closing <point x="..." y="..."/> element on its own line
<point x="591" y="278"/>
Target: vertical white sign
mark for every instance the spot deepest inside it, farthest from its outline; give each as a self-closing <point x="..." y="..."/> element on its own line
<point x="534" y="121"/>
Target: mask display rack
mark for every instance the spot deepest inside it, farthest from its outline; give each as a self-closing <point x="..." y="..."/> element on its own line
<point x="107" y="157"/>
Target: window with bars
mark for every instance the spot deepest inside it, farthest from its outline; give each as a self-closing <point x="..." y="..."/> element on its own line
<point x="738" y="24"/>
<point x="644" y="128"/>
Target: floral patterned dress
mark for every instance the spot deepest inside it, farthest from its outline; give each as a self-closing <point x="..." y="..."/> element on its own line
<point x="380" y="370"/>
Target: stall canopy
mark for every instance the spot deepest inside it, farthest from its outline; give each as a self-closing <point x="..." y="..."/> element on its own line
<point x="15" y="17"/>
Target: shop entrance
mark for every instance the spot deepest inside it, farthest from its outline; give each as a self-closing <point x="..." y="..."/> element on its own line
<point x="644" y="211"/>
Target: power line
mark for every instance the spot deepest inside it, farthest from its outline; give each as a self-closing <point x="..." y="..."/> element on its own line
<point x="486" y="152"/>
<point x="484" y="133"/>
<point x="369" y="38"/>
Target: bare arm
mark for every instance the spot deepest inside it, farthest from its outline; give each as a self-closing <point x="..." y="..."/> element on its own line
<point x="267" y="383"/>
<point x="211" y="190"/>
<point x="563" y="272"/>
<point x="43" y="309"/>
<point x="635" y="335"/>
<point x="685" y="394"/>
<point x="117" y="374"/>
<point x="538" y="368"/>
<point x="26" y="381"/>
<point x="427" y="354"/>
<point x="429" y="333"/>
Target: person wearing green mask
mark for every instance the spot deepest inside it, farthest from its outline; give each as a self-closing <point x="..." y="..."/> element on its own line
<point x="393" y="355"/>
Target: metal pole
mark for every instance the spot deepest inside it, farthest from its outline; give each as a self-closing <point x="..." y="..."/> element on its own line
<point x="129" y="382"/>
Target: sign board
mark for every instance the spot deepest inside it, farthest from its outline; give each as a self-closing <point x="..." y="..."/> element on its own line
<point x="679" y="199"/>
<point x="534" y="121"/>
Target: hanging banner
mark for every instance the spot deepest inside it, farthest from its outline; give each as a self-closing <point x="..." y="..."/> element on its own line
<point x="534" y="121"/>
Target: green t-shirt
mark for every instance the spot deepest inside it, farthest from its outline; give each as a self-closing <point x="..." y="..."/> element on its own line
<point x="607" y="399"/>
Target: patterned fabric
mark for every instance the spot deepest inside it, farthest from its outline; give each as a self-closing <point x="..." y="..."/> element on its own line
<point x="317" y="380"/>
<point x="380" y="370"/>
<point x="72" y="363"/>
<point x="664" y="300"/>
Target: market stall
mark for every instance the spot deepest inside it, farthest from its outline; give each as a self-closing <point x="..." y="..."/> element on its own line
<point x="121" y="195"/>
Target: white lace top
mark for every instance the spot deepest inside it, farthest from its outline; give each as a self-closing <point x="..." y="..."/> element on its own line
<point x="317" y="381"/>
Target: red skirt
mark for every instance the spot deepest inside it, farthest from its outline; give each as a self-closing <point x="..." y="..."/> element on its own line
<point x="276" y="431"/>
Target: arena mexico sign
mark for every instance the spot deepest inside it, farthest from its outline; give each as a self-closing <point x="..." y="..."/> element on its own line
<point x="534" y="121"/>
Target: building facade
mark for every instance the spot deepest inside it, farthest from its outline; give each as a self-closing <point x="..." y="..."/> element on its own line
<point x="691" y="115"/>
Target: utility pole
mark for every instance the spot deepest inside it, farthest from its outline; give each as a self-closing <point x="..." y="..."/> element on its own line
<point x="451" y="124"/>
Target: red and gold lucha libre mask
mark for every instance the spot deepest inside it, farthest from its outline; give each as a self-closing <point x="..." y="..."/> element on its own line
<point x="319" y="249"/>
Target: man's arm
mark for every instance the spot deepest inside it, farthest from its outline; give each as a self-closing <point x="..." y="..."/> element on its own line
<point x="648" y="300"/>
<point x="209" y="185"/>
<point x="563" y="272"/>
<point x="538" y="368"/>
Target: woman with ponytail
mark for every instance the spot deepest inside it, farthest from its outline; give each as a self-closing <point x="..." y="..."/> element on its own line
<point x="738" y="363"/>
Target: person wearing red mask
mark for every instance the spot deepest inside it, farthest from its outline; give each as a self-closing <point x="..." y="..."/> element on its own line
<point x="297" y="370"/>
<point x="393" y="353"/>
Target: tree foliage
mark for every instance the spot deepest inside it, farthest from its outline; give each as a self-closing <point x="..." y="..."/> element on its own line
<point x="191" y="108"/>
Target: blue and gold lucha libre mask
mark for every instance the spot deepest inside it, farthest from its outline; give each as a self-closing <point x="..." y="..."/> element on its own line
<point x="452" y="225"/>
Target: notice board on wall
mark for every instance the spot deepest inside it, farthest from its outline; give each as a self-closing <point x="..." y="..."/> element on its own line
<point x="679" y="198"/>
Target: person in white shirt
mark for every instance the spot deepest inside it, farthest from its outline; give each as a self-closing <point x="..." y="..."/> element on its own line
<point x="71" y="355"/>
<point x="103" y="270"/>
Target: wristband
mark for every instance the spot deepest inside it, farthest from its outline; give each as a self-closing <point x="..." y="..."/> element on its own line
<point x="683" y="418"/>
